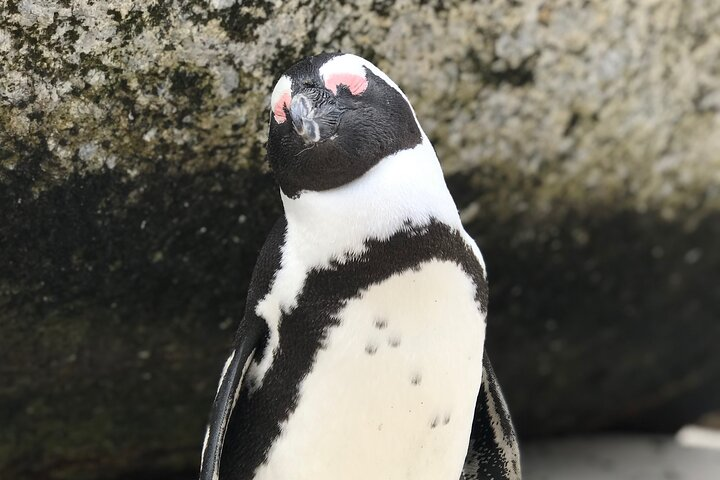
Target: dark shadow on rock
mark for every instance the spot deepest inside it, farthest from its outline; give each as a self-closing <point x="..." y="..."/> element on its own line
<point x="119" y="297"/>
<point x="602" y="320"/>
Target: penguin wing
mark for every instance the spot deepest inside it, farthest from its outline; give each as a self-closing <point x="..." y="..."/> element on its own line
<point x="493" y="451"/>
<point x="251" y="334"/>
<point x="224" y="402"/>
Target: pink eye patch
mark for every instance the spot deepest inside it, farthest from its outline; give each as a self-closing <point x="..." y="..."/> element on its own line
<point x="357" y="84"/>
<point x="279" y="108"/>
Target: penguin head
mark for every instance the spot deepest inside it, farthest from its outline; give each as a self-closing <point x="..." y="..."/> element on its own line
<point x="333" y="117"/>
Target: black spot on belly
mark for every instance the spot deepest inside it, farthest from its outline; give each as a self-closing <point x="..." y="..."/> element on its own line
<point x="434" y="422"/>
<point x="381" y="323"/>
<point x="446" y="419"/>
<point x="371" y="349"/>
<point x="416" y="379"/>
<point x="394" y="341"/>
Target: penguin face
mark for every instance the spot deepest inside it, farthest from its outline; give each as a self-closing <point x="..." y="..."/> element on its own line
<point x="333" y="117"/>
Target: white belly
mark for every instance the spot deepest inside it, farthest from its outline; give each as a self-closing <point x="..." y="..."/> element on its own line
<point x="392" y="393"/>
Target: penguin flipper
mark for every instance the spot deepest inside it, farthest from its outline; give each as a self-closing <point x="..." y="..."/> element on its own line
<point x="249" y="339"/>
<point x="227" y="393"/>
<point x="493" y="452"/>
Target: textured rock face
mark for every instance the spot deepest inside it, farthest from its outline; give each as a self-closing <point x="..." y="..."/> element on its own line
<point x="581" y="140"/>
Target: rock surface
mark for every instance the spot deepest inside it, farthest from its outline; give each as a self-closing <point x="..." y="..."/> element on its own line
<point x="580" y="138"/>
<point x="611" y="457"/>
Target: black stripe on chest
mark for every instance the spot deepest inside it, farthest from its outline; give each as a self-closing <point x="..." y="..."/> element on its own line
<point x="257" y="417"/>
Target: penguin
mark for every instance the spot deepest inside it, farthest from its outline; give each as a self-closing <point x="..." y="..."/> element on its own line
<point x="360" y="355"/>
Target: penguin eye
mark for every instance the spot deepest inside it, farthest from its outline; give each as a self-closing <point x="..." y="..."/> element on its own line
<point x="280" y="99"/>
<point x="357" y="84"/>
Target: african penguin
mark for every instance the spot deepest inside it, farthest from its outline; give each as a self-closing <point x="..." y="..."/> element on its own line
<point x="360" y="354"/>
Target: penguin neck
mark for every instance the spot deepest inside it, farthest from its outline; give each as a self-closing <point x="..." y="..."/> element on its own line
<point x="405" y="189"/>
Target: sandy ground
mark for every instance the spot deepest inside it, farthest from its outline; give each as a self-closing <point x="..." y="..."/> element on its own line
<point x="691" y="456"/>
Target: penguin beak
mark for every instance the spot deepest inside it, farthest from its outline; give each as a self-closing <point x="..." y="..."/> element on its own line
<point x="315" y="114"/>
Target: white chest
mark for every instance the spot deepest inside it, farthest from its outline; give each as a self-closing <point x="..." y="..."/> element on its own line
<point x="392" y="392"/>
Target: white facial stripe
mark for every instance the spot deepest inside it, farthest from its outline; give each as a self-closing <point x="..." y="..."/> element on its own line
<point x="281" y="97"/>
<point x="343" y="65"/>
<point x="352" y="64"/>
<point x="344" y="70"/>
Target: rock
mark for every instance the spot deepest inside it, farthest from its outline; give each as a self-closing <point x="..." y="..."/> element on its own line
<point x="580" y="139"/>
<point x="608" y="457"/>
